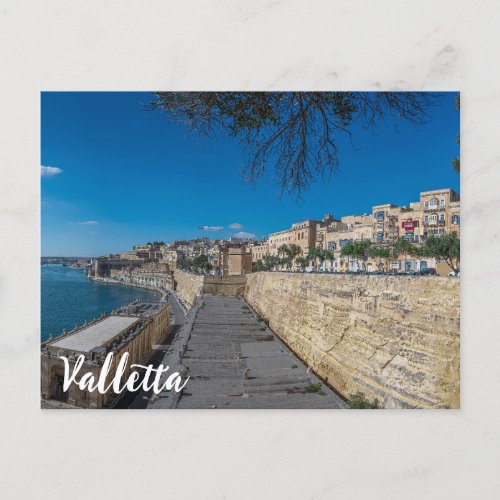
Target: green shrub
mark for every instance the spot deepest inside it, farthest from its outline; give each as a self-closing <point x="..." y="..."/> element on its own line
<point x="314" y="387"/>
<point x="359" y="402"/>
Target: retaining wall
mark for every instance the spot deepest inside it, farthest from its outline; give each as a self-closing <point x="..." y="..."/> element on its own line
<point x="395" y="339"/>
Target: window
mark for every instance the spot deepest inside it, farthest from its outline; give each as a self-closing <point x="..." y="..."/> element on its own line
<point x="441" y="203"/>
<point x="455" y="219"/>
<point x="426" y="219"/>
<point x="434" y="218"/>
<point x="426" y="204"/>
<point x="441" y="218"/>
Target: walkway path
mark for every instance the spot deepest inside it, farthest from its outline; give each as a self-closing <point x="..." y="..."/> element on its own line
<point x="235" y="361"/>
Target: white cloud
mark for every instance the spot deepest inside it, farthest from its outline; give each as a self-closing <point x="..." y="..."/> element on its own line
<point x="211" y="228"/>
<point x="244" y="235"/>
<point x="49" y="171"/>
<point x="235" y="225"/>
<point x="87" y="222"/>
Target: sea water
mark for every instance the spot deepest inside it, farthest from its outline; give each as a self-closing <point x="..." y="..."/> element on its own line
<point x="69" y="297"/>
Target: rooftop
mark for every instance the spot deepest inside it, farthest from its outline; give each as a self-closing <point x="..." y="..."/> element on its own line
<point x="96" y="335"/>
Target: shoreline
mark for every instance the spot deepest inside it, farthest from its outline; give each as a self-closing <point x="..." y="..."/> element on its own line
<point x="163" y="293"/>
<point x="161" y="298"/>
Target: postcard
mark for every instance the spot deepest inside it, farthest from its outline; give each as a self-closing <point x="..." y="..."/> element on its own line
<point x="250" y="250"/>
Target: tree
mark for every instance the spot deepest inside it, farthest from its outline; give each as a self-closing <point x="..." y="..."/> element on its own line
<point x="288" y="254"/>
<point x="313" y="254"/>
<point x="329" y="255"/>
<point x="445" y="247"/>
<point x="284" y="253"/>
<point x="297" y="132"/>
<point x="271" y="262"/>
<point x="381" y="255"/>
<point x="348" y="250"/>
<point x="258" y="266"/>
<point x="455" y="163"/>
<point x="294" y="251"/>
<point x="357" y="250"/>
<point x="302" y="262"/>
<point x="406" y="248"/>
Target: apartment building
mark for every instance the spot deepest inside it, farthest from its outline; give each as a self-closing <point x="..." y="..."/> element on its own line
<point x="437" y="212"/>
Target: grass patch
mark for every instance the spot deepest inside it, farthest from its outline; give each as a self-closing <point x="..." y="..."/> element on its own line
<point x="314" y="387"/>
<point x="359" y="402"/>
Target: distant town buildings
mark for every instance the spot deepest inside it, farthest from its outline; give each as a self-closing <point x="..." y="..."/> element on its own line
<point x="437" y="212"/>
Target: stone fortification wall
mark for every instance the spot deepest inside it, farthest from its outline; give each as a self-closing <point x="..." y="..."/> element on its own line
<point x="187" y="286"/>
<point x="396" y="339"/>
<point x="228" y="286"/>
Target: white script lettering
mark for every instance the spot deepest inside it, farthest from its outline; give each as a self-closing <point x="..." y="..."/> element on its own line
<point x="87" y="380"/>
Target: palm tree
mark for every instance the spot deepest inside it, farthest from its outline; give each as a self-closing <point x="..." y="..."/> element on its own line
<point x="284" y="253"/>
<point x="294" y="251"/>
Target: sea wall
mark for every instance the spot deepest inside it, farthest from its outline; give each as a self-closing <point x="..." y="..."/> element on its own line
<point x="396" y="339"/>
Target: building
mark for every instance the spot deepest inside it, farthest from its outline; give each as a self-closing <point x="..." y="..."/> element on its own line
<point x="103" y="266"/>
<point x="233" y="259"/>
<point x="441" y="212"/>
<point x="306" y="234"/>
<point x="134" y="329"/>
<point x="385" y="222"/>
<point x="436" y="213"/>
<point x="259" y="250"/>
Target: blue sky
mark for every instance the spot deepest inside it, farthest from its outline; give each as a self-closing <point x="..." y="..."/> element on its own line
<point x="122" y="176"/>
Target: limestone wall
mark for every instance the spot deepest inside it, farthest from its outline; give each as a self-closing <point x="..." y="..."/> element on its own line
<point x="394" y="338"/>
<point x="229" y="286"/>
<point x="187" y="286"/>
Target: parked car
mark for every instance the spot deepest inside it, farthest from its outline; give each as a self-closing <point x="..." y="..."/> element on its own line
<point x="428" y="272"/>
